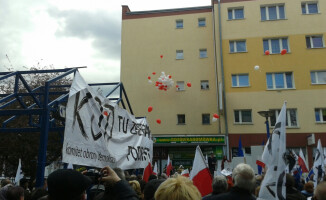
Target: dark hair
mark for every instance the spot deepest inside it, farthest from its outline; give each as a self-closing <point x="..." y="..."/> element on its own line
<point x="38" y="193"/>
<point x="289" y="181"/>
<point x="5" y="182"/>
<point x="14" y="193"/>
<point x="152" y="177"/>
<point x="151" y="188"/>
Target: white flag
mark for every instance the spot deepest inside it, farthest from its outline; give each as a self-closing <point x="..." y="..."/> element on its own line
<point x="318" y="163"/>
<point x="155" y="171"/>
<point x="19" y="173"/>
<point x="273" y="185"/>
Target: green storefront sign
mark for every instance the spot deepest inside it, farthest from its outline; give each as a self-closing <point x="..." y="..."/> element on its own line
<point x="190" y="140"/>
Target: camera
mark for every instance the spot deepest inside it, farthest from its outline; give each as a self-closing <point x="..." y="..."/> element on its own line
<point x="94" y="175"/>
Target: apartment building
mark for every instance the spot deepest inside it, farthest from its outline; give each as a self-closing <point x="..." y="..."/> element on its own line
<point x="241" y="57"/>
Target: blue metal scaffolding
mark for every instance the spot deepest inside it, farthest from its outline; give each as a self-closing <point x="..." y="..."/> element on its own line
<point x="44" y="102"/>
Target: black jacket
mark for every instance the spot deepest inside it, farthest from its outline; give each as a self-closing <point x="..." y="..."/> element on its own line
<point x="235" y="193"/>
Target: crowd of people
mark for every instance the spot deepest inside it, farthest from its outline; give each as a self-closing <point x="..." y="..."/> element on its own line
<point x="112" y="184"/>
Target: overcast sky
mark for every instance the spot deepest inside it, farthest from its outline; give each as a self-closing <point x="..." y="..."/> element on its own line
<point x="70" y="33"/>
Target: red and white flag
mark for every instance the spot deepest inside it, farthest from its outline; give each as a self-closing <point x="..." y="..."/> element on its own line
<point x="302" y="162"/>
<point x="200" y="175"/>
<point x="147" y="172"/>
<point x="169" y="167"/>
<point x="185" y="173"/>
<point x="155" y="172"/>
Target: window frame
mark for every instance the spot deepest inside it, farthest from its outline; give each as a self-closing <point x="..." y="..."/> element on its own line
<point x="203" y="19"/>
<point x="233" y="13"/>
<point x="280" y="42"/>
<point x="240" y="116"/>
<point x="288" y="117"/>
<point x="180" y="83"/>
<point x="284" y="81"/>
<point x="235" y="46"/>
<point x="306" y="3"/>
<point x="205" y="53"/>
<point x="311" y="41"/>
<point x="267" y="16"/>
<point x="317" y="82"/>
<point x="184" y="119"/>
<point x="209" y="118"/>
<point x="178" y="22"/>
<point x="178" y="53"/>
<point x="204" y="84"/>
<point x="238" y="82"/>
<point x="320" y="111"/>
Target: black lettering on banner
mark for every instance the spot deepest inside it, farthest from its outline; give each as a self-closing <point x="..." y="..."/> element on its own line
<point x="279" y="186"/>
<point x="139" y="153"/>
<point x="120" y="118"/>
<point x="275" y="131"/>
<point x="125" y="125"/>
<point x="99" y="134"/>
<point x="133" y="128"/>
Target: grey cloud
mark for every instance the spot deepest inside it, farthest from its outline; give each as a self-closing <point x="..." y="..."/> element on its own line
<point x="100" y="26"/>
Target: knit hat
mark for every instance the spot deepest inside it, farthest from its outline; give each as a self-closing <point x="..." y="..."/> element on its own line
<point x="67" y="184"/>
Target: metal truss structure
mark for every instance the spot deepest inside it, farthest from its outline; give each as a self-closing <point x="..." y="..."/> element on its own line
<point x="40" y="104"/>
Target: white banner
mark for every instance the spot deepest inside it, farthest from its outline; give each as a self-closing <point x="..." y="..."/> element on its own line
<point x="100" y="133"/>
<point x="273" y="185"/>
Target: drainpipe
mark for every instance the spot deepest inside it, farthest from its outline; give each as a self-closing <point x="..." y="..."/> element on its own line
<point x="223" y="81"/>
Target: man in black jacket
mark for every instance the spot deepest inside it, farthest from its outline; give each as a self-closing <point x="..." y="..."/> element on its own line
<point x="244" y="183"/>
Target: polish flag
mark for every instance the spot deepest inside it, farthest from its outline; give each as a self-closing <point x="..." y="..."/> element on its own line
<point x="168" y="167"/>
<point x="302" y="162"/>
<point x="260" y="163"/>
<point x="147" y="172"/>
<point x="185" y="173"/>
<point x="200" y="175"/>
<point x="155" y="172"/>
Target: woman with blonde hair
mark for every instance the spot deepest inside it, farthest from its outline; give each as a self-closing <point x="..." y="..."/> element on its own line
<point x="178" y="188"/>
<point x="136" y="186"/>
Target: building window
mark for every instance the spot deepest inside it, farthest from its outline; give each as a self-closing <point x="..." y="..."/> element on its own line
<point x="238" y="46"/>
<point x="179" y="55"/>
<point x="314" y="41"/>
<point x="240" y="80"/>
<point x="179" y="23"/>
<point x="242" y="116"/>
<point x="201" y="22"/>
<point x="206" y="118"/>
<point x="320" y="114"/>
<point x="318" y="77"/>
<point x="279" y="80"/>
<point x="273" y="12"/>
<point x="291" y="116"/>
<point x="275" y="46"/>
<point x="203" y="53"/>
<point x="235" y="13"/>
<point x="309" y="8"/>
<point x="204" y="85"/>
<point x="181" y="118"/>
<point x="180" y="85"/>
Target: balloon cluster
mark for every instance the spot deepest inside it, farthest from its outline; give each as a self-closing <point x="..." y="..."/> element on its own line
<point x="164" y="82"/>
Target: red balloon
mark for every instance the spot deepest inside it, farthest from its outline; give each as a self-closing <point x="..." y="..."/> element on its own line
<point x="177" y="86"/>
<point x="158" y="121"/>
<point x="154" y="73"/>
<point x="170" y="76"/>
<point x="283" y="52"/>
<point x="149" y="78"/>
<point x="189" y="84"/>
<point x="161" y="56"/>
<point x="105" y="113"/>
<point x="216" y="116"/>
<point x="267" y="52"/>
<point x="150" y="108"/>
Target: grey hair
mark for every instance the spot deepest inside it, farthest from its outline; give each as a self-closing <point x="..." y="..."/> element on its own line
<point x="320" y="191"/>
<point x="244" y="177"/>
<point x="219" y="184"/>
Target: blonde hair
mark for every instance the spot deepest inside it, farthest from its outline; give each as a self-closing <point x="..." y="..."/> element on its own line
<point x="136" y="186"/>
<point x="178" y="188"/>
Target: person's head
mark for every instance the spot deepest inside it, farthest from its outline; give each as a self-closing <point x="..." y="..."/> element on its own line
<point x="152" y="177"/>
<point x="120" y="173"/>
<point x="66" y="184"/>
<point x="5" y="182"/>
<point x="15" y="193"/>
<point x="23" y="183"/>
<point x="309" y="187"/>
<point x="136" y="186"/>
<point x="151" y="188"/>
<point x="219" y="185"/>
<point x="38" y="193"/>
<point x="244" y="177"/>
<point x="289" y="181"/>
<point x="320" y="191"/>
<point x="179" y="188"/>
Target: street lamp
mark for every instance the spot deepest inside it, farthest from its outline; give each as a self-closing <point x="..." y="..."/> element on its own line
<point x="266" y="114"/>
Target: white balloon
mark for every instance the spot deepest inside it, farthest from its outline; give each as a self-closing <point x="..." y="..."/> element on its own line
<point x="256" y="67"/>
<point x="214" y="119"/>
<point x="149" y="81"/>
